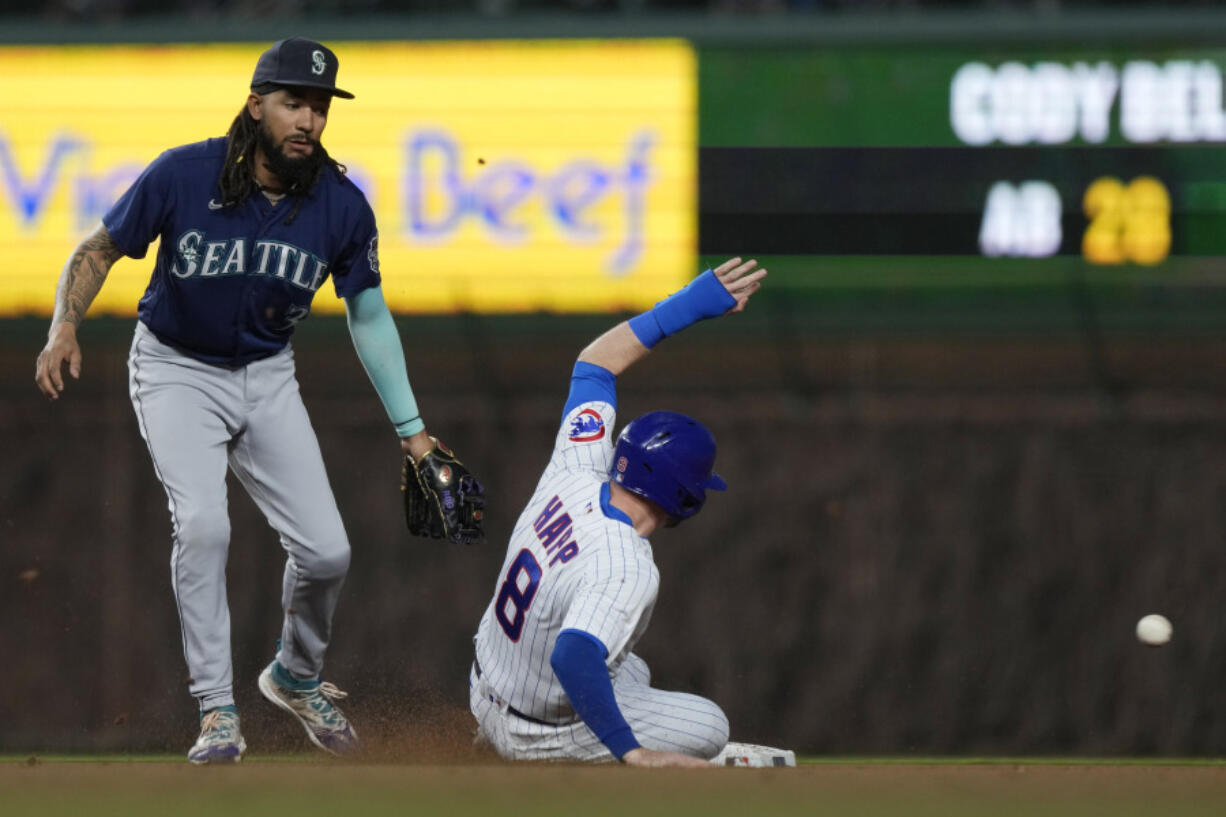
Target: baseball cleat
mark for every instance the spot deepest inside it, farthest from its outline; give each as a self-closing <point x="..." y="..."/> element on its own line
<point x="750" y="754"/>
<point x="312" y="705"/>
<point x="219" y="741"/>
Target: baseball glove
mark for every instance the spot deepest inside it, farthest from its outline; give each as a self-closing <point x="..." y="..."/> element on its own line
<point x="442" y="499"/>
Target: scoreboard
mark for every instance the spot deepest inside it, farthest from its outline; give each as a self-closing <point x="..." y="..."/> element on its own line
<point x="1110" y="205"/>
<point x="591" y="172"/>
<point x="1103" y="157"/>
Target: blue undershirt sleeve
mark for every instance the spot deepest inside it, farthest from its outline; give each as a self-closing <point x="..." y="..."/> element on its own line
<point x="590" y="383"/>
<point x="378" y="346"/>
<point x="704" y="297"/>
<point x="579" y="662"/>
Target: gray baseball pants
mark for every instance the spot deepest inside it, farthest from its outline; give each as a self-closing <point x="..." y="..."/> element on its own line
<point x="199" y="419"/>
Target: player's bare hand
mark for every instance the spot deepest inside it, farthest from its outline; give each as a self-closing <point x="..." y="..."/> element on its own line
<point x="61" y="348"/>
<point x="741" y="279"/>
<point x="650" y="758"/>
<point x="417" y="446"/>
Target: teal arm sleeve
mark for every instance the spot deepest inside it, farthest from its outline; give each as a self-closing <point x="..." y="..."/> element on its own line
<point x="378" y="346"/>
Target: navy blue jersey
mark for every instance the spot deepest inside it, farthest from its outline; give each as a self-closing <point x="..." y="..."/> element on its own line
<point x="230" y="283"/>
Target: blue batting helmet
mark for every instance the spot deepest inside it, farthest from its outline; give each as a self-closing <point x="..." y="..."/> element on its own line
<point x="668" y="458"/>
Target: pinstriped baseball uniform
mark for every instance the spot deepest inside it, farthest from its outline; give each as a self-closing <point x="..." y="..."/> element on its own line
<point x="575" y="563"/>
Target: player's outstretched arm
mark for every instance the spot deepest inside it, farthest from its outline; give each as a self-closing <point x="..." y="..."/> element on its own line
<point x="442" y="499"/>
<point x="723" y="291"/>
<point x="79" y="284"/>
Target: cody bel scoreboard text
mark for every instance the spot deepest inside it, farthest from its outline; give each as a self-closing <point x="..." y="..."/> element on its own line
<point x="1116" y="161"/>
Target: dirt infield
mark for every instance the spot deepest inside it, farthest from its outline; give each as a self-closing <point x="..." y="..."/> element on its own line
<point x="305" y="788"/>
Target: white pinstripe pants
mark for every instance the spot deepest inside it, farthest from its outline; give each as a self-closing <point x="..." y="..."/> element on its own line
<point x="661" y="720"/>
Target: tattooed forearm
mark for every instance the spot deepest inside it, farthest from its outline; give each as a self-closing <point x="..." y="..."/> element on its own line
<point x="83" y="277"/>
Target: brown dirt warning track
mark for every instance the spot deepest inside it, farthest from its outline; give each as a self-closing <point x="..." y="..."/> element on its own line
<point x="300" y="787"/>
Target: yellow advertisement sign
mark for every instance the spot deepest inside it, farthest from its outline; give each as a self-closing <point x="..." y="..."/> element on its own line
<point x="505" y="176"/>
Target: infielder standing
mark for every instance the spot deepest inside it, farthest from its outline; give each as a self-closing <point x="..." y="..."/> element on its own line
<point x="251" y="225"/>
<point x="554" y="676"/>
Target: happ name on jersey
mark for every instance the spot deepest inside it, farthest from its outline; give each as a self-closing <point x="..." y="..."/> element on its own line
<point x="215" y="259"/>
<point x="555" y="533"/>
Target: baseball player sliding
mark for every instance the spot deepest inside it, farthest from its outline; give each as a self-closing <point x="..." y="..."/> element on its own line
<point x="554" y="676"/>
<point x="251" y="226"/>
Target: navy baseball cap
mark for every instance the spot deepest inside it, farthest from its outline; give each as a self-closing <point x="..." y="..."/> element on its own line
<point x="298" y="62"/>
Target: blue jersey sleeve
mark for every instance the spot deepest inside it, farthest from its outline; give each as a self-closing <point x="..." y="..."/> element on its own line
<point x="137" y="218"/>
<point x="578" y="660"/>
<point x="357" y="266"/>
<point x="590" y="383"/>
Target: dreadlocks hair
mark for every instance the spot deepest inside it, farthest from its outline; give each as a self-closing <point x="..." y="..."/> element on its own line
<point x="237" y="181"/>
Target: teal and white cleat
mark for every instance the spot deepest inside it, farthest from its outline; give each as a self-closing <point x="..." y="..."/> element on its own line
<point x="219" y="741"/>
<point x="311" y="702"/>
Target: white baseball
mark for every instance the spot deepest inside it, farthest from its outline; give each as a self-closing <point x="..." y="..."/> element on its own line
<point x="1154" y="630"/>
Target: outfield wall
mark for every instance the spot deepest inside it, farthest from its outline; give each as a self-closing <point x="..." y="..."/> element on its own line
<point x="927" y="546"/>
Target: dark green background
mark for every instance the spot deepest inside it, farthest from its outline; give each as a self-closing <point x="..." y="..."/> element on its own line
<point x="859" y="93"/>
<point x="811" y="95"/>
